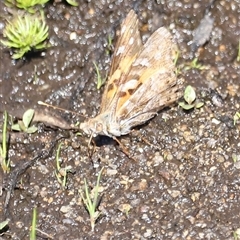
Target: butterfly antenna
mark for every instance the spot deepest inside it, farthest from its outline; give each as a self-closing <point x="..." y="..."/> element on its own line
<point x="58" y="108"/>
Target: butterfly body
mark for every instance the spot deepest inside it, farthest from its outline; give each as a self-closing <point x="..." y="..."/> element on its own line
<point x="142" y="81"/>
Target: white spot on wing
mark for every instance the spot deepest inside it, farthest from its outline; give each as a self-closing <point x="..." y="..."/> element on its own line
<point x="123" y="29"/>
<point x="132" y="84"/>
<point x="120" y="50"/>
<point x="158" y="55"/>
<point x="131" y="41"/>
<point x="142" y="61"/>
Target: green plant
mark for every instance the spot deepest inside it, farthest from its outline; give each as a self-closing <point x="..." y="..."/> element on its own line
<point x="92" y="203"/>
<point x="194" y="64"/>
<point x="72" y="2"/>
<point x="100" y="81"/>
<point x="61" y="173"/>
<point x="24" y="34"/>
<point x="235" y="157"/>
<point x="238" y="56"/>
<point x="4" y="224"/>
<point x="5" y="162"/>
<point x="236" y="117"/>
<point x="176" y="57"/>
<point x="109" y="44"/>
<point x="34" y="224"/>
<point x="175" y="61"/>
<point x="236" y="234"/>
<point x="24" y="124"/>
<point x="34" y="229"/>
<point x="31" y="5"/>
<point x="190" y="99"/>
<point x="27" y="5"/>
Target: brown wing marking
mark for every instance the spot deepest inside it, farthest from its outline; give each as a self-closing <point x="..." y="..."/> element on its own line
<point x="127" y="49"/>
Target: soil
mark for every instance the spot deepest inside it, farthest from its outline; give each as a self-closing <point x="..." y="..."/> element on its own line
<point x="183" y="179"/>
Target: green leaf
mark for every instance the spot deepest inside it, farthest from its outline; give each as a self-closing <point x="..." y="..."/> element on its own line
<point x="199" y="105"/>
<point x="31" y="129"/>
<point x="22" y="126"/>
<point x="34" y="223"/>
<point x="10" y="44"/>
<point x="27" y="117"/>
<point x="18" y="55"/>
<point x="100" y="81"/>
<point x="189" y="95"/>
<point x="25" y="33"/>
<point x="72" y="2"/>
<point x="186" y="106"/>
<point x="16" y="127"/>
<point x="3" y="224"/>
<point x="236" y="117"/>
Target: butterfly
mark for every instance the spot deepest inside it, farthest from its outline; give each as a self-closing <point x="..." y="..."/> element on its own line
<point x="141" y="82"/>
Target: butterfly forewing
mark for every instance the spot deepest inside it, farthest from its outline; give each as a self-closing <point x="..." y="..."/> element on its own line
<point x="127" y="48"/>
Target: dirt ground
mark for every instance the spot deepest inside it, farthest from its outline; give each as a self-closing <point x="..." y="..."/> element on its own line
<point x="183" y="185"/>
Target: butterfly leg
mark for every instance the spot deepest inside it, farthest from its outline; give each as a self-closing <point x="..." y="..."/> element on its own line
<point x="124" y="150"/>
<point x="137" y="134"/>
<point x="91" y="149"/>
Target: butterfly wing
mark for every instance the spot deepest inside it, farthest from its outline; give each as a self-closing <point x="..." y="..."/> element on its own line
<point x="127" y="49"/>
<point x="142" y="81"/>
<point x="151" y="83"/>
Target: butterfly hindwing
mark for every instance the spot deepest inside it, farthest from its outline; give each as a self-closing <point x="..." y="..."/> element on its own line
<point x="150" y="78"/>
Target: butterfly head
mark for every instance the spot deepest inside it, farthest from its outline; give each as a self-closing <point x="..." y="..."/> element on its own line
<point x="92" y="127"/>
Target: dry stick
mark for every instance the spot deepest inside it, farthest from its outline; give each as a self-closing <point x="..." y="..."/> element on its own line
<point x="70" y="127"/>
<point x="45" y="234"/>
<point x="13" y="176"/>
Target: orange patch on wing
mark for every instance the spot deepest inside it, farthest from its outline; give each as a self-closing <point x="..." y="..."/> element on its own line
<point x="126" y="63"/>
<point x="123" y="97"/>
<point x="147" y="74"/>
<point x="113" y="84"/>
